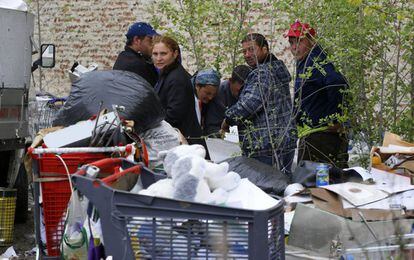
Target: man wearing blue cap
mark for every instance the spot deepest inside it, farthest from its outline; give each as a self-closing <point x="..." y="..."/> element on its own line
<point x="137" y="54"/>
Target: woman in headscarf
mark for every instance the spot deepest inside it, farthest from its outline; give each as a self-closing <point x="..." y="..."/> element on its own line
<point x="206" y="85"/>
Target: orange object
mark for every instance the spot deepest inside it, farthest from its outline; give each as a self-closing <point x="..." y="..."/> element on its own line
<point x="376" y="159"/>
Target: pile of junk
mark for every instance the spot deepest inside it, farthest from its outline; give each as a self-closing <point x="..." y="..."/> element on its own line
<point x="112" y="178"/>
<point x="360" y="213"/>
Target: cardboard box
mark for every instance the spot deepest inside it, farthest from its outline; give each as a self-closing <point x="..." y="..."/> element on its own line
<point x="393" y="145"/>
<point x="332" y="202"/>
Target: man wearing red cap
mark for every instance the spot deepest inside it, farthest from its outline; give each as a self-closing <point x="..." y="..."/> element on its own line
<point x="137" y="54"/>
<point x="318" y="99"/>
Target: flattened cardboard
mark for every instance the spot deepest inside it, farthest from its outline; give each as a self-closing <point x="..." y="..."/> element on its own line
<point x="390" y="138"/>
<point x="331" y="202"/>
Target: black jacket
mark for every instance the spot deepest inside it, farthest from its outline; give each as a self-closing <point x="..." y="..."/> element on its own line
<point x="136" y="62"/>
<point x="320" y="95"/>
<point x="177" y="97"/>
<point x="212" y="114"/>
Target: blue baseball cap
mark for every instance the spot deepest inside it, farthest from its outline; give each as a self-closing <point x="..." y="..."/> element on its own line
<point x="140" y="29"/>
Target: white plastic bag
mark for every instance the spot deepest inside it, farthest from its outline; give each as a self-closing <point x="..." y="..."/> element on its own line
<point x="160" y="138"/>
<point x="74" y="245"/>
<point x="249" y="196"/>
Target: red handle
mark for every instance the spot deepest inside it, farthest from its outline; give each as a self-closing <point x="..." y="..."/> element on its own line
<point x="112" y="164"/>
<point x="107" y="162"/>
<point x="101" y="164"/>
<point x="134" y="169"/>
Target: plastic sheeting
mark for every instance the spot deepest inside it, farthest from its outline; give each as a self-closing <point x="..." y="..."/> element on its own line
<point x="305" y="174"/>
<point x="262" y="175"/>
<point x="122" y="88"/>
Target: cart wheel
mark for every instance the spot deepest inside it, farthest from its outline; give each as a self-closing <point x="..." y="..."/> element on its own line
<point x="22" y="195"/>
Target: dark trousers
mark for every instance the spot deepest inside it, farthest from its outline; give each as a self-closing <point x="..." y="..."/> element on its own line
<point x="326" y="147"/>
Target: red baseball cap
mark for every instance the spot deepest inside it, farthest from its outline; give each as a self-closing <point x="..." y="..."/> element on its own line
<point x="298" y="29"/>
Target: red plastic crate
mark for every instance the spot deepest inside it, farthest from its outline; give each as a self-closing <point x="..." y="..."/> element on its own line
<point x="49" y="164"/>
<point x="56" y="194"/>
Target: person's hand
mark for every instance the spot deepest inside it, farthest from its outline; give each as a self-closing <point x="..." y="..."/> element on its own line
<point x="224" y="127"/>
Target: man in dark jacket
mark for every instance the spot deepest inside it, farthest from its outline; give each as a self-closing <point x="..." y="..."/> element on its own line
<point x="318" y="99"/>
<point x="264" y="107"/>
<point x="137" y="54"/>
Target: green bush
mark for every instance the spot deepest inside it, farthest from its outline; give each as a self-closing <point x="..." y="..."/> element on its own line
<point x="370" y="42"/>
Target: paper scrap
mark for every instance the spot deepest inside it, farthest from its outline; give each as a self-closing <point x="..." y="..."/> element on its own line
<point x="232" y="135"/>
<point x="221" y="150"/>
<point x="365" y="174"/>
<point x="356" y="193"/>
<point x="396" y="201"/>
<point x="396" y="149"/>
<point x="383" y="178"/>
<point x="288" y="221"/>
<point x="9" y="253"/>
<point x="298" y="199"/>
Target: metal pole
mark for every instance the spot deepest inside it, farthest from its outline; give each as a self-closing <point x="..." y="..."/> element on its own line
<point x="40" y="45"/>
<point x="128" y="148"/>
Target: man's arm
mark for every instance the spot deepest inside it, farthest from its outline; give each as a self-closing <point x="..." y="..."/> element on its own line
<point x="334" y="82"/>
<point x="252" y="97"/>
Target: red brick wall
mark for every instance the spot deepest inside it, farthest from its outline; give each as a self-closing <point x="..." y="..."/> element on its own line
<point x="93" y="31"/>
<point x="83" y="31"/>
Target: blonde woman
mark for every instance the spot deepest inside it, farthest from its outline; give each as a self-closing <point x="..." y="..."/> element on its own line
<point x="174" y="88"/>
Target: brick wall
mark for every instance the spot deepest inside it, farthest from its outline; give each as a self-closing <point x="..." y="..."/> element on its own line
<point x="93" y="31"/>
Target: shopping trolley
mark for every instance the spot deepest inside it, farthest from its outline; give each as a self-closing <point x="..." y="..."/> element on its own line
<point x="47" y="109"/>
<point x="145" y="227"/>
<point x="51" y="167"/>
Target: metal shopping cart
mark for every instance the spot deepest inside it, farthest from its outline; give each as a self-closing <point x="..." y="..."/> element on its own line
<point x="142" y="227"/>
<point x="52" y="189"/>
<point x="47" y="108"/>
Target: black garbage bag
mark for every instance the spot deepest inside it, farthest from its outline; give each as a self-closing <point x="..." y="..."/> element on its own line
<point x="114" y="87"/>
<point x="305" y="174"/>
<point x="262" y="175"/>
